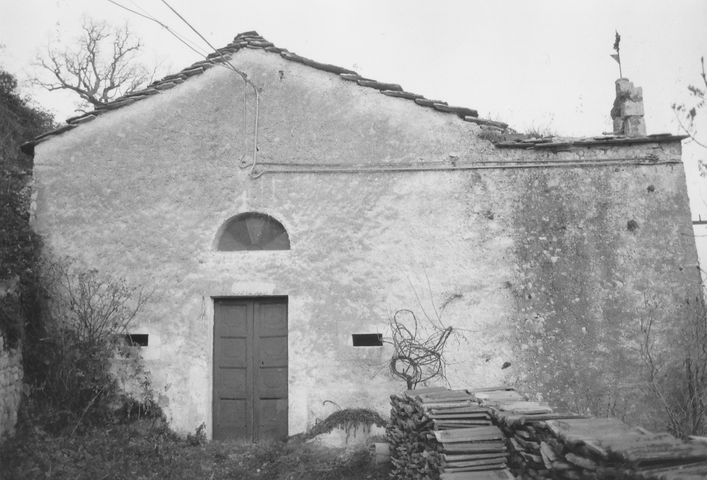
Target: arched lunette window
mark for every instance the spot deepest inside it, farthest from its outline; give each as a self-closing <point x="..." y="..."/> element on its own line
<point x="253" y="231"/>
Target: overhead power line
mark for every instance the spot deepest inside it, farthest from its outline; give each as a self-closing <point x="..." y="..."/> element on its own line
<point x="153" y="19"/>
<point x="189" y="25"/>
<point x="224" y="61"/>
<point x="245" y="78"/>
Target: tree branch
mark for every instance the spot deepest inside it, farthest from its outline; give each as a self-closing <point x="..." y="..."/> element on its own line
<point x="101" y="66"/>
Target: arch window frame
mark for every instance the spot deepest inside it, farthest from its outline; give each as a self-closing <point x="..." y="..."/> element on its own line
<point x="252" y="231"/>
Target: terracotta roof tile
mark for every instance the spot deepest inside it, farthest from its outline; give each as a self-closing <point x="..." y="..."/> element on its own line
<point x="166" y="85"/>
<point x="62" y="129"/>
<point x="558" y="144"/>
<point x="193" y="71"/>
<point x="251" y="39"/>
<point x="312" y="63"/>
<point x="425" y="102"/>
<point x="354" y="77"/>
<point x="490" y="123"/>
<point x="401" y="94"/>
<point x="378" y="85"/>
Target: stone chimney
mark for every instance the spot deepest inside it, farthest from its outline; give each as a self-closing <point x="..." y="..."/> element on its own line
<point x="628" y="110"/>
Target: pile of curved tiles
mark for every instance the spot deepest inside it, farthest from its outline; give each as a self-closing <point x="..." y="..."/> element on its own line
<point x="459" y="440"/>
<point x="496" y="433"/>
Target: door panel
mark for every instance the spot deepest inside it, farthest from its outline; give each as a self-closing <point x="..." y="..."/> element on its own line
<point x="233" y="413"/>
<point x="273" y="351"/>
<point x="250" y="368"/>
<point x="273" y="320"/>
<point x="271" y="382"/>
<point x="234" y="352"/>
<point x="232" y="380"/>
<point x="273" y="414"/>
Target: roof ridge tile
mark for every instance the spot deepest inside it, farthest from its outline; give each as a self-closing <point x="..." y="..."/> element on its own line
<point x="379" y="85"/>
<point x="401" y="94"/>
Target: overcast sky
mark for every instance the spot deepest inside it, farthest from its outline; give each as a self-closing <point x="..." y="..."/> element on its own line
<point x="540" y="64"/>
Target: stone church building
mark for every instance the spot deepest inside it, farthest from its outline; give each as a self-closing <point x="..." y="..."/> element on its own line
<point x="281" y="221"/>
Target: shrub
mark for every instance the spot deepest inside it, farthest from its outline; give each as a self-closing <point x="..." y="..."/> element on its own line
<point x="70" y="355"/>
<point x="348" y="420"/>
<point x="146" y="449"/>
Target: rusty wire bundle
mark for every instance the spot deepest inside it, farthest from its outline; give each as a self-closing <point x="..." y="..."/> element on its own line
<point x="416" y="359"/>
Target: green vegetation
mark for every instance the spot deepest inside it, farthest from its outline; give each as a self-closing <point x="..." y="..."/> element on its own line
<point x="19" y="246"/>
<point x="76" y="359"/>
<point x="348" y="419"/>
<point x="147" y="449"/>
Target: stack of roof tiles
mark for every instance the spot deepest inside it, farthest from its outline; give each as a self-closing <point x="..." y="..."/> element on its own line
<point x="412" y="452"/>
<point x="473" y="434"/>
<point x="519" y="419"/>
<point x="547" y="444"/>
<point x="445" y="434"/>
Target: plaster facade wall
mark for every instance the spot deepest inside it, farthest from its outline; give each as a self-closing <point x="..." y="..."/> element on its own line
<point x="10" y="387"/>
<point x="537" y="267"/>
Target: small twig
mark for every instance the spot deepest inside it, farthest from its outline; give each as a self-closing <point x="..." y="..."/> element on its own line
<point x="687" y="129"/>
<point x="85" y="411"/>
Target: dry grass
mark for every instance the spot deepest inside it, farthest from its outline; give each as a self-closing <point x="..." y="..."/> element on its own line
<point x="146" y="449"/>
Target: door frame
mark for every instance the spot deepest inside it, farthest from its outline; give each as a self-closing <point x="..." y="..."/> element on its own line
<point x="211" y="352"/>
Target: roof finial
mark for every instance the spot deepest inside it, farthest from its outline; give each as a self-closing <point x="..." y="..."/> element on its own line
<point x="617" y="56"/>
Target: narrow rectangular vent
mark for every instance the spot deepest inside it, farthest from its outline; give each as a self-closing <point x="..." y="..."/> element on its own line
<point x="367" y="339"/>
<point x="136" y="339"/>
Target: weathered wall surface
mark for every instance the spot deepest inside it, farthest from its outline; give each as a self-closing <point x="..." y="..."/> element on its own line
<point x="600" y="254"/>
<point x="535" y="267"/>
<point x="10" y="387"/>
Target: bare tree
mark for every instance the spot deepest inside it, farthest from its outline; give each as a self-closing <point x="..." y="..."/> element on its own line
<point x="100" y="67"/>
<point x="678" y="382"/>
<point x="687" y="113"/>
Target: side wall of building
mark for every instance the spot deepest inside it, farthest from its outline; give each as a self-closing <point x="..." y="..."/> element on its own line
<point x="536" y="267"/>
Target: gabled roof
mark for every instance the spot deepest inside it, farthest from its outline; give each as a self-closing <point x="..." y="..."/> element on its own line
<point x="253" y="40"/>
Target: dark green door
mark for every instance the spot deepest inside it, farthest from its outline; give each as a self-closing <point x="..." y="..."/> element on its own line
<point x="250" y="368"/>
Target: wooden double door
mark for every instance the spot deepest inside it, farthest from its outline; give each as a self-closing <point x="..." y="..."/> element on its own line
<point x="250" y="369"/>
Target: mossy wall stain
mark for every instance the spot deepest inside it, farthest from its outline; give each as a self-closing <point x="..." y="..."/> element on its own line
<point x="534" y="267"/>
<point x="585" y="280"/>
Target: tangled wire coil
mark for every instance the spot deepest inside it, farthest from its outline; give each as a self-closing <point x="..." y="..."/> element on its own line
<point x="415" y="359"/>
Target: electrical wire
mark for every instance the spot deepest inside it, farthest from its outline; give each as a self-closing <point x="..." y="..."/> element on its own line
<point x="153" y="19"/>
<point x="224" y="62"/>
<point x="189" y="25"/>
<point x="417" y="359"/>
<point x="223" y="57"/>
<point x="245" y="78"/>
<point x="319" y="167"/>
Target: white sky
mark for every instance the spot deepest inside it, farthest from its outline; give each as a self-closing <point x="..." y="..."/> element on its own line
<point x="540" y="64"/>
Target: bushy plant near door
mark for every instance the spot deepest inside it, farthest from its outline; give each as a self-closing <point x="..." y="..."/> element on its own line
<point x="76" y="337"/>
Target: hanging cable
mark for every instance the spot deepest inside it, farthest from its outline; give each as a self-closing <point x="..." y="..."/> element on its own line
<point x="152" y="19"/>
<point x="189" y="25"/>
<point x="245" y="78"/>
<point x="224" y="62"/>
